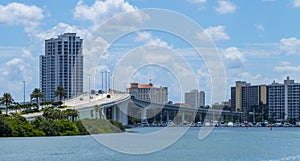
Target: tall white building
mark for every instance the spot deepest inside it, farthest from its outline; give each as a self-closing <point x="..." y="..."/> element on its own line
<point x="195" y="98"/>
<point x="62" y="65"/>
<point x="284" y="100"/>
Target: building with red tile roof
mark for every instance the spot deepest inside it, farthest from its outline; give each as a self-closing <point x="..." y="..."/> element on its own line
<point x="148" y="92"/>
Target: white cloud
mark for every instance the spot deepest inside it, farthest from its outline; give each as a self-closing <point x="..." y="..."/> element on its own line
<point x="143" y="36"/>
<point x="287" y="68"/>
<point x="268" y="0"/>
<point x="290" y="46"/>
<point x="20" y="14"/>
<point x="15" y="70"/>
<point x="225" y="7"/>
<point x="150" y="40"/>
<point x="59" y="29"/>
<point x="215" y="32"/>
<point x="255" y="79"/>
<point x="101" y="11"/>
<point x="296" y="3"/>
<point x="260" y="27"/>
<point x="233" y="57"/>
<point x="284" y="63"/>
<point x="249" y="77"/>
<point x="113" y="16"/>
<point x="26" y="53"/>
<point x="196" y="1"/>
<point x="14" y="61"/>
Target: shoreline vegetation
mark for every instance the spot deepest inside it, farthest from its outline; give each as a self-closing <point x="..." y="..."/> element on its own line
<point x="55" y="122"/>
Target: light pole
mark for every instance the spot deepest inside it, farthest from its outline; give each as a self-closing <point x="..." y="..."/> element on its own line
<point x="24" y="91"/>
<point x="89" y="86"/>
<point x="108" y="88"/>
<point x="112" y="84"/>
<point x="105" y="80"/>
<point x="102" y="81"/>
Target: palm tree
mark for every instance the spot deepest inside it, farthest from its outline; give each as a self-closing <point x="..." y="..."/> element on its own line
<point x="60" y="92"/>
<point x="7" y="100"/>
<point x="36" y="93"/>
<point x="70" y="113"/>
<point x="16" y="107"/>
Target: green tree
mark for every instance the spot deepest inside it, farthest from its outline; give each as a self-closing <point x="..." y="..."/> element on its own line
<point x="17" y="126"/>
<point x="54" y="114"/>
<point x="7" y="100"/>
<point x="60" y="92"/>
<point x="50" y="128"/>
<point x="67" y="128"/>
<point x="70" y="113"/>
<point x="15" y="107"/>
<point x="37" y="94"/>
<point x="5" y="127"/>
<point x="82" y="130"/>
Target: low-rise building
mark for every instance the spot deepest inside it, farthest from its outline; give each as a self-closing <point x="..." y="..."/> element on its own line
<point x="148" y="92"/>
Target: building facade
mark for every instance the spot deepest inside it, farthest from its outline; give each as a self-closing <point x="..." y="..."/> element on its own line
<point x="195" y="98"/>
<point x="244" y="96"/>
<point x="62" y="65"/>
<point x="148" y="92"/>
<point x="284" y="100"/>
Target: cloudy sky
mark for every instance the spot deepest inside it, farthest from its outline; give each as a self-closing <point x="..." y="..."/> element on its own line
<point x="258" y="40"/>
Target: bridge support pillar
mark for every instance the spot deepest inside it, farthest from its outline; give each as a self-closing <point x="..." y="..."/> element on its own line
<point x="103" y="113"/>
<point x="114" y="113"/>
<point x="222" y="117"/>
<point x="200" y="117"/>
<point x="168" y="115"/>
<point x="143" y="113"/>
<point x="161" y="115"/>
<point x="182" y="117"/>
<point x="123" y="113"/>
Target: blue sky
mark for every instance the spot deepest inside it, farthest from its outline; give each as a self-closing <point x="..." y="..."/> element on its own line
<point x="258" y="40"/>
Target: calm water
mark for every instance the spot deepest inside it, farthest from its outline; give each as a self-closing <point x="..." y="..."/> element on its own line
<point x="223" y="144"/>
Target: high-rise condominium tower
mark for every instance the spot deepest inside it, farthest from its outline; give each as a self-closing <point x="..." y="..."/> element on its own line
<point x="62" y="65"/>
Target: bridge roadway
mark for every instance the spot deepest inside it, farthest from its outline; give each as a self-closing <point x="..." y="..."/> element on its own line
<point x="85" y="101"/>
<point x="151" y="105"/>
<point x="210" y="114"/>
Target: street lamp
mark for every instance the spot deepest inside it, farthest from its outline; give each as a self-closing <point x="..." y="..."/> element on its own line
<point x="108" y="81"/>
<point x="102" y="81"/>
<point x="24" y="91"/>
<point x="105" y="80"/>
<point x="112" y="84"/>
<point x="89" y="86"/>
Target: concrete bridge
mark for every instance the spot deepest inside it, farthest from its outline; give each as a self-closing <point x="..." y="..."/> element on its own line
<point x="106" y="106"/>
<point x="171" y="111"/>
<point x="121" y="107"/>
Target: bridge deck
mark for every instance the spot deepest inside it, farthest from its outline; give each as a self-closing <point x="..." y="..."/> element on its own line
<point x="84" y="101"/>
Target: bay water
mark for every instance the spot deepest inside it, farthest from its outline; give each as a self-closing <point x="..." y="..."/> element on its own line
<point x="223" y="144"/>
